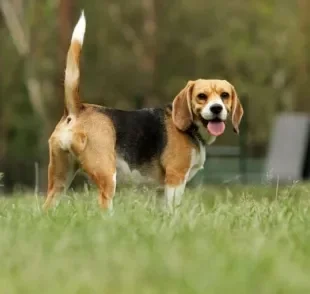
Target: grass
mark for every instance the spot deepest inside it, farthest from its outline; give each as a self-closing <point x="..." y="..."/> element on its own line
<point x="222" y="240"/>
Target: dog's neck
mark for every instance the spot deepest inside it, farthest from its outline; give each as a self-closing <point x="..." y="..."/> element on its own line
<point x="196" y="131"/>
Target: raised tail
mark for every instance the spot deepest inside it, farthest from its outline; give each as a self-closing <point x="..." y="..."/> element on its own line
<point x="72" y="74"/>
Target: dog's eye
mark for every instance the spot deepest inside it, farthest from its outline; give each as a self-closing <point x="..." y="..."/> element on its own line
<point x="224" y="95"/>
<point x="202" y="96"/>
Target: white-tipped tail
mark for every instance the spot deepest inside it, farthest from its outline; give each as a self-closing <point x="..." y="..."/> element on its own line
<point x="79" y="30"/>
<point x="72" y="73"/>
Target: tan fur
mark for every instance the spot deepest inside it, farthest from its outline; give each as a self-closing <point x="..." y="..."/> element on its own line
<point x="72" y="79"/>
<point x="182" y="114"/>
<point x="237" y="110"/>
<point x="177" y="155"/>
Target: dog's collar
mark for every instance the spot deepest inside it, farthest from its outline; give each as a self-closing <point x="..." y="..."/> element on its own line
<point x="192" y="131"/>
<point x="194" y="134"/>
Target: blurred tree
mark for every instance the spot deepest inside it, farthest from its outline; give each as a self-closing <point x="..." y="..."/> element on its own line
<point x="23" y="19"/>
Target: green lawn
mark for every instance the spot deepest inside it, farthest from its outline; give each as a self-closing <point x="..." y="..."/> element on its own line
<point x="222" y="240"/>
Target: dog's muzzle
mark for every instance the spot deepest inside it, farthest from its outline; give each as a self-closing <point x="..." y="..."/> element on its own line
<point x="213" y="118"/>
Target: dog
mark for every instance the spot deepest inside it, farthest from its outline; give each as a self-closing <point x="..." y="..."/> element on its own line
<point x="167" y="144"/>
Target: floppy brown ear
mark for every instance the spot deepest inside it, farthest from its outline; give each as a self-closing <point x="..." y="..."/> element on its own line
<point x="182" y="115"/>
<point x="237" y="111"/>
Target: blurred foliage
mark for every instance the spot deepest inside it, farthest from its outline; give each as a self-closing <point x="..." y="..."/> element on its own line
<point x="150" y="48"/>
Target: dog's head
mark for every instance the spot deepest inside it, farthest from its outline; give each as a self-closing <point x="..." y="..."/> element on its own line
<point x="208" y="103"/>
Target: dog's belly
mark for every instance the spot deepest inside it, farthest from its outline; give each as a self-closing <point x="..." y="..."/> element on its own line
<point x="137" y="175"/>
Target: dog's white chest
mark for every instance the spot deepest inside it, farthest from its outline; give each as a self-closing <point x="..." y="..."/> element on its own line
<point x="198" y="158"/>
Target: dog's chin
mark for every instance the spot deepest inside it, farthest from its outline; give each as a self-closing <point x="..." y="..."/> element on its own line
<point x="214" y="126"/>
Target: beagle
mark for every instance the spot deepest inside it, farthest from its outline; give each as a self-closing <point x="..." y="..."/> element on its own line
<point x="166" y="144"/>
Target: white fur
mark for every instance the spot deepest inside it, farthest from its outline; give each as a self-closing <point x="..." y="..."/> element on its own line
<point x="122" y="166"/>
<point x="197" y="161"/>
<point x="207" y="114"/>
<point x="173" y="195"/>
<point x="110" y="206"/>
<point x="127" y="175"/>
<point x="65" y="136"/>
<point x="72" y="72"/>
<point x="65" y="139"/>
<point x="79" y="30"/>
<point x="114" y="182"/>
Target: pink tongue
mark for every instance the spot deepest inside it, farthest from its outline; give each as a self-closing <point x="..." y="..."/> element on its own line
<point x="216" y="128"/>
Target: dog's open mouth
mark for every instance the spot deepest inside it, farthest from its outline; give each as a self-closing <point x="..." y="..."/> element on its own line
<point x="215" y="127"/>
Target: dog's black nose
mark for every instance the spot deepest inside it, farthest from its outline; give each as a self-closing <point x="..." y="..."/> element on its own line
<point x="216" y="108"/>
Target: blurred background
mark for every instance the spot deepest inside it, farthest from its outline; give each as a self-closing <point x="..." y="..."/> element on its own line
<point x="141" y="53"/>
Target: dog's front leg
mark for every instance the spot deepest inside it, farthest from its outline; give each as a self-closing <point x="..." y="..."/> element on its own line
<point x="174" y="189"/>
<point x="173" y="195"/>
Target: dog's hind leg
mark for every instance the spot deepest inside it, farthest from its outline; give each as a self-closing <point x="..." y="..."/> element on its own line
<point x="102" y="171"/>
<point x="59" y="170"/>
<point x="106" y="183"/>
